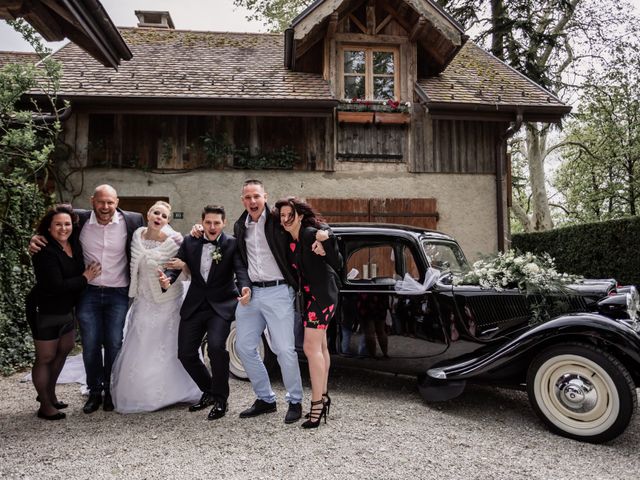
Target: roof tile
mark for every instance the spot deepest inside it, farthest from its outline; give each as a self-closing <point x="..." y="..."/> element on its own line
<point x="475" y="76"/>
<point x="18" y="57"/>
<point x="192" y="64"/>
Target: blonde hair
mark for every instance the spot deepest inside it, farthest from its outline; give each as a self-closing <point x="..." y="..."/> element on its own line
<point x="160" y="203"/>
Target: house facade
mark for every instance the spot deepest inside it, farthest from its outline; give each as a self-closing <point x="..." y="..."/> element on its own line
<point x="373" y="110"/>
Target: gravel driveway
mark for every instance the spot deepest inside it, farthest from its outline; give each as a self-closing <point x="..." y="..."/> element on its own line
<point x="379" y="428"/>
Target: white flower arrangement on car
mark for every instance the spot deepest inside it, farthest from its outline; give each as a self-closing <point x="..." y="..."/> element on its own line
<point x="528" y="273"/>
<point x="216" y="254"/>
<point x="535" y="276"/>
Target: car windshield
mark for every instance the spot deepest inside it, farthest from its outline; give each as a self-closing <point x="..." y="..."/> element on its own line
<point x="445" y="256"/>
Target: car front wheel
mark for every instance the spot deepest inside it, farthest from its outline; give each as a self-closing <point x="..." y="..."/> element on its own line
<point x="581" y="392"/>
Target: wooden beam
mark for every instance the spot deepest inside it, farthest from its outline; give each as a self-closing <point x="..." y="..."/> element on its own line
<point x="254" y="137"/>
<point x="305" y="45"/>
<point x="333" y="25"/>
<point x="371" y="17"/>
<point x="383" y="23"/>
<point x="45" y="22"/>
<point x="439" y="21"/>
<point x="315" y="17"/>
<point x="60" y="9"/>
<point x="418" y="29"/>
<point x="357" y="23"/>
<point x="403" y="8"/>
<point x="228" y="129"/>
<point x="82" y="139"/>
<point x="10" y="9"/>
<point x="397" y="16"/>
<point x="364" y="38"/>
<point x="117" y="138"/>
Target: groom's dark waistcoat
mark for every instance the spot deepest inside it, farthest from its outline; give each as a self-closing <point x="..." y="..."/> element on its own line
<point x="219" y="289"/>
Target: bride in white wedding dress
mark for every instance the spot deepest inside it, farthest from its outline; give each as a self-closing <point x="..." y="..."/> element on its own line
<point x="147" y="374"/>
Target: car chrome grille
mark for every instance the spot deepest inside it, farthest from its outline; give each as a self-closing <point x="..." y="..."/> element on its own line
<point x="496" y="310"/>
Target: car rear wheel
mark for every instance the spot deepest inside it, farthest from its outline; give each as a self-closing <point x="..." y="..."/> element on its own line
<point x="581" y="392"/>
<point x="235" y="364"/>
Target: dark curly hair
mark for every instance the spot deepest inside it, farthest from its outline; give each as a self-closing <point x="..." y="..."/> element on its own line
<point x="310" y="216"/>
<point x="45" y="221"/>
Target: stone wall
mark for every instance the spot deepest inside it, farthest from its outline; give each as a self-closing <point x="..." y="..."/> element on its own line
<point x="466" y="203"/>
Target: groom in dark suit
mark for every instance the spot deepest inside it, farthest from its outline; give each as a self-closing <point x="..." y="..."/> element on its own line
<point x="209" y="306"/>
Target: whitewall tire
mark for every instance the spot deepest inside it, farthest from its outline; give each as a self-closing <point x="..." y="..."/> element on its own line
<point x="581" y="392"/>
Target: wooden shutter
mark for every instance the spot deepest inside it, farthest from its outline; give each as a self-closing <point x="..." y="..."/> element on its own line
<point x="417" y="212"/>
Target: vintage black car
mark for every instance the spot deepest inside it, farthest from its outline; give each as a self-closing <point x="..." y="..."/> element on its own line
<point x="580" y="368"/>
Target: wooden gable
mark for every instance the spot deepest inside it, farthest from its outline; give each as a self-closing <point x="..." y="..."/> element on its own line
<point x="437" y="36"/>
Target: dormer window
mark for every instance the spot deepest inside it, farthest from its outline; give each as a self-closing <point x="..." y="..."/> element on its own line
<point x="369" y="73"/>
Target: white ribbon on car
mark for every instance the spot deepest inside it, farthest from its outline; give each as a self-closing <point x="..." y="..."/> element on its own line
<point x="410" y="286"/>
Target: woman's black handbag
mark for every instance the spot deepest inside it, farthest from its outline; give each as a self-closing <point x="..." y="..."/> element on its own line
<point x="47" y="320"/>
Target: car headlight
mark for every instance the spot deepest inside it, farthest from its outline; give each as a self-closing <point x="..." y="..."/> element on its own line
<point x="633" y="303"/>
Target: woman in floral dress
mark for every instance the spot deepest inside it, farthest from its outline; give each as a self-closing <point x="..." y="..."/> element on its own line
<point x="319" y="290"/>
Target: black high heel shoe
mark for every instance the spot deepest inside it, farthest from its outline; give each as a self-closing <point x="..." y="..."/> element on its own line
<point x="326" y="400"/>
<point x="55" y="416"/>
<point x="316" y="414"/>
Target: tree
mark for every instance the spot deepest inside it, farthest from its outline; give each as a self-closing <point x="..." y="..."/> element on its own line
<point x="549" y="41"/>
<point x="28" y="135"/>
<point x="276" y="14"/>
<point x="600" y="178"/>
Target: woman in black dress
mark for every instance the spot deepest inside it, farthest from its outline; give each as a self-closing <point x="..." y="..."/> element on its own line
<point x="319" y="289"/>
<point x="60" y="279"/>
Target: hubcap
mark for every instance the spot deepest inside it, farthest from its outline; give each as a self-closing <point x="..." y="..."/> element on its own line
<point x="576" y="393"/>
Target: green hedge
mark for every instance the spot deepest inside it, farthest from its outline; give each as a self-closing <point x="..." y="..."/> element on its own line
<point x="595" y="250"/>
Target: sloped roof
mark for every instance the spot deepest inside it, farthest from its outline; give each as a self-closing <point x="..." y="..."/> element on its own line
<point x="184" y="64"/>
<point x="18" y="57"/>
<point x="476" y="80"/>
<point x="84" y="22"/>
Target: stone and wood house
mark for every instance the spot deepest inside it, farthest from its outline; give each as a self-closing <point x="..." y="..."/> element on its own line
<point x="373" y="110"/>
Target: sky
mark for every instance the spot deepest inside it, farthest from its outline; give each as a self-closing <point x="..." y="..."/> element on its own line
<point x="211" y="15"/>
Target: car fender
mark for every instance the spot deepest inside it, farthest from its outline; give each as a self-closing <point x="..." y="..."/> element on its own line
<point x="573" y="327"/>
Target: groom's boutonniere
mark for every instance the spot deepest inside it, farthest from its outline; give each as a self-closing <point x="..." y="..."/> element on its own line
<point x="216" y="254"/>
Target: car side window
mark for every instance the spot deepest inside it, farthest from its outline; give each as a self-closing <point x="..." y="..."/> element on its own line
<point x="445" y="256"/>
<point x="372" y="262"/>
<point x="410" y="264"/>
<point x="380" y="262"/>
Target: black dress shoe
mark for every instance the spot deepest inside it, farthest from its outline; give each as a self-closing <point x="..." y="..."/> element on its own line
<point x="92" y="404"/>
<point x="205" y="401"/>
<point x="293" y="413"/>
<point x="258" y="408"/>
<point x="55" y="416"/>
<point x="59" y="405"/>
<point x="218" y="411"/>
<point x="108" y="406"/>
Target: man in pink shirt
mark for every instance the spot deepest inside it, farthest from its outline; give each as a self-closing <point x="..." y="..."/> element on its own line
<point x="105" y="236"/>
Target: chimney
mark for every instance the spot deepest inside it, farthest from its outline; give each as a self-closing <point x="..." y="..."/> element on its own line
<point x="149" y="19"/>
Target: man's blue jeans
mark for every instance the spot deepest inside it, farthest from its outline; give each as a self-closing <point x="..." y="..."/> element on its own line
<point x="101" y="314"/>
